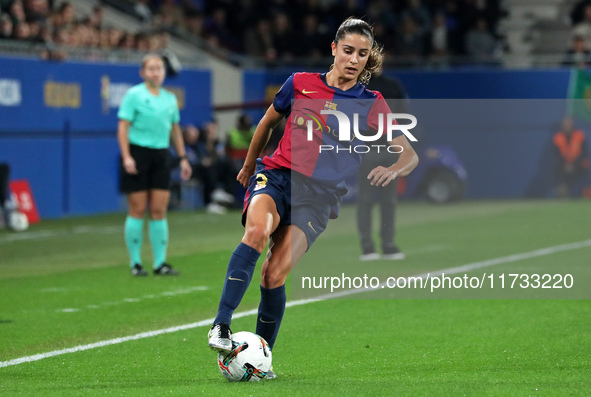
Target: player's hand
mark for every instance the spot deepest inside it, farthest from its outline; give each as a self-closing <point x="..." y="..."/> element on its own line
<point x="381" y="176"/>
<point x="186" y="170"/>
<point x="129" y="165"/>
<point x="244" y="175"/>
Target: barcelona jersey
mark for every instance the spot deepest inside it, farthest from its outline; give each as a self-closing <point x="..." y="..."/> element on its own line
<point x="312" y="144"/>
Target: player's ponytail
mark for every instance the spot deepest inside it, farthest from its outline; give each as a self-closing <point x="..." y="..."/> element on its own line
<point x="376" y="57"/>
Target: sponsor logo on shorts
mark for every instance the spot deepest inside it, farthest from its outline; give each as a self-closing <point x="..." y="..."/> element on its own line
<point x="261" y="181"/>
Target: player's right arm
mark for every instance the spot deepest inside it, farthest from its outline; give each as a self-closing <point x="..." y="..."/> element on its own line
<point x="123" y="139"/>
<point x="126" y="115"/>
<point x="258" y="143"/>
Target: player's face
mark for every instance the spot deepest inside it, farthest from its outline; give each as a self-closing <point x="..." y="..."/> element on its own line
<point x="153" y="72"/>
<point x="350" y="55"/>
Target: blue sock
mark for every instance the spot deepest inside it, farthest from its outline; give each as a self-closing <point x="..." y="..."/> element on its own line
<point x="159" y="240"/>
<point x="271" y="311"/>
<point x="134" y="228"/>
<point x="240" y="270"/>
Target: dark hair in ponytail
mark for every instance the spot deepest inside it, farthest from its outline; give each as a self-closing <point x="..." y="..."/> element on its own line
<point x="376" y="57"/>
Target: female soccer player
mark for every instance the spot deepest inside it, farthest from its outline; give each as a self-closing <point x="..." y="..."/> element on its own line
<point x="293" y="193"/>
<point x="148" y="121"/>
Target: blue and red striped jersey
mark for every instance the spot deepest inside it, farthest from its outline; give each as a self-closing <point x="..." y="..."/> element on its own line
<point x="301" y="98"/>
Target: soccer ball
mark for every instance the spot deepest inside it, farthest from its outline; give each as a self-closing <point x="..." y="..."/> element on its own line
<point x="249" y="360"/>
<point x="18" y="221"/>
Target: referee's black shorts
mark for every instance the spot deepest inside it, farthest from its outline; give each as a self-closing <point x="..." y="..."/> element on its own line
<point x="153" y="166"/>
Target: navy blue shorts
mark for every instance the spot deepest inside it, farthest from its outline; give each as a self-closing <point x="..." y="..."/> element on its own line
<point x="297" y="202"/>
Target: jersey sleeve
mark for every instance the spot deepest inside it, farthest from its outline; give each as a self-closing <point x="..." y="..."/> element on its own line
<point x="380" y="109"/>
<point x="176" y="115"/>
<point x="127" y="107"/>
<point x="283" y="98"/>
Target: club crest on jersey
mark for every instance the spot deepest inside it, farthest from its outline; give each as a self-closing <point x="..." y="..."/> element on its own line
<point x="330" y="106"/>
<point x="261" y="181"/>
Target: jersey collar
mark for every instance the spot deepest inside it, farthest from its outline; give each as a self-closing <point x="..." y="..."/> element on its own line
<point x="354" y="91"/>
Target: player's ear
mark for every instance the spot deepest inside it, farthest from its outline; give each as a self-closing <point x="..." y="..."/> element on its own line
<point x="333" y="45"/>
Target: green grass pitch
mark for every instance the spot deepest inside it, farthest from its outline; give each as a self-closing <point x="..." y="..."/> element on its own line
<point x="66" y="283"/>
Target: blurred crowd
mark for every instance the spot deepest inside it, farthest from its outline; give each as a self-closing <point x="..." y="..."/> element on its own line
<point x="273" y="30"/>
<point x="287" y="29"/>
<point x="56" y="24"/>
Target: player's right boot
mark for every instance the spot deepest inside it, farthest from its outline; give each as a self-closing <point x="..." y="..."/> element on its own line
<point x="220" y="338"/>
<point x="270" y="374"/>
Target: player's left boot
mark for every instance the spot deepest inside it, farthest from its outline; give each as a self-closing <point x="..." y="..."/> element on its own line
<point x="166" y="270"/>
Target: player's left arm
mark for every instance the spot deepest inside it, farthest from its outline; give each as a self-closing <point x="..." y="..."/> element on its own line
<point x="176" y="137"/>
<point x="407" y="161"/>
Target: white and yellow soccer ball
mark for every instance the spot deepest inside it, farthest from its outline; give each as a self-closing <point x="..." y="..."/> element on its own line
<point x="249" y="360"/>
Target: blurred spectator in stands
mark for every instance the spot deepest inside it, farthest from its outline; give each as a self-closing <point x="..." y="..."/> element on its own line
<point x="127" y="42"/>
<point x="481" y="44"/>
<point x="310" y="41"/>
<point x="21" y="31"/>
<point x="439" y="39"/>
<point x="142" y="42"/>
<point x="65" y="17"/>
<point x="171" y="10"/>
<point x="258" y="41"/>
<point x="194" y="23"/>
<point x="283" y="36"/>
<point x="142" y="10"/>
<point x="472" y="10"/>
<point x="381" y="11"/>
<point x="97" y="17"/>
<point x="577" y="13"/>
<point x="17" y="12"/>
<point x="572" y="159"/>
<point x="5" y="27"/>
<point x="453" y="23"/>
<point x="36" y="10"/>
<point x="115" y="36"/>
<point x="385" y="37"/>
<point x="578" y="55"/>
<point x="238" y="141"/>
<point x="61" y="37"/>
<point x="217" y="30"/>
<point x="411" y="41"/>
<point x="420" y="14"/>
<point x="583" y="28"/>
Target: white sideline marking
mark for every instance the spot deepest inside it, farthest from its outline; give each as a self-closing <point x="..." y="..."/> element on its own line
<point x="141" y="298"/>
<point x="202" y="323"/>
<point x="39" y="234"/>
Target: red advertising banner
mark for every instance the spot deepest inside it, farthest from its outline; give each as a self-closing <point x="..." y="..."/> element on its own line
<point x="22" y="192"/>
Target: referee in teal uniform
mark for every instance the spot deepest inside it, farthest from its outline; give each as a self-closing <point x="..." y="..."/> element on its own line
<point x="148" y="122"/>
